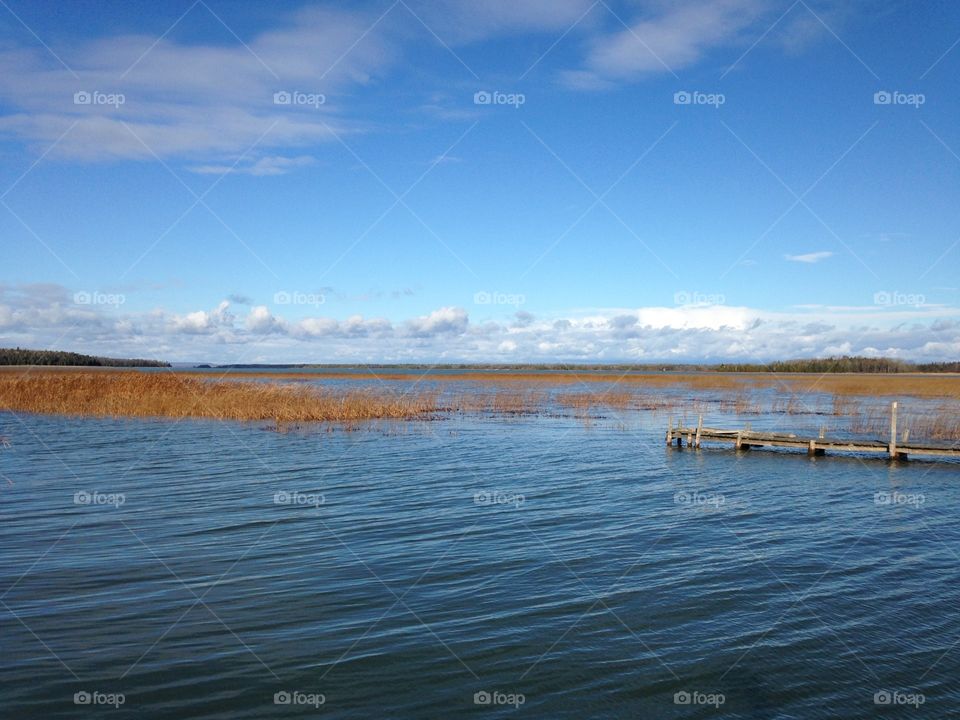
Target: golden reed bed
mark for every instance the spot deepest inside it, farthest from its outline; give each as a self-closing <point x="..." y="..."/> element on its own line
<point x="106" y="392"/>
<point x="930" y="385"/>
<point x="163" y="394"/>
<point x="128" y="393"/>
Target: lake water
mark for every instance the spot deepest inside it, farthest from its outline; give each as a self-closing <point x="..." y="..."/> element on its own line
<point x="471" y="566"/>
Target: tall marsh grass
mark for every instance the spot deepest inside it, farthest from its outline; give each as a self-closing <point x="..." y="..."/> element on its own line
<point x="131" y="393"/>
<point x="160" y="394"/>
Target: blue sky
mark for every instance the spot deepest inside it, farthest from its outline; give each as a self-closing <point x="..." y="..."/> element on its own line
<point x="510" y="181"/>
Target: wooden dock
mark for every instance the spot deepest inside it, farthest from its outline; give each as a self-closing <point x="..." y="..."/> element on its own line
<point x="893" y="449"/>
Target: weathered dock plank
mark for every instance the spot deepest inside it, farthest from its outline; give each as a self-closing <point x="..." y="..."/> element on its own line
<point x="820" y="445"/>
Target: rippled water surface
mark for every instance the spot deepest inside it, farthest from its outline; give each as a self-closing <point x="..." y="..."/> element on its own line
<point x="574" y="569"/>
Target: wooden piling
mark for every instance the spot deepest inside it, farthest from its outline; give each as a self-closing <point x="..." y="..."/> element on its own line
<point x="699" y="429"/>
<point x="893" y="430"/>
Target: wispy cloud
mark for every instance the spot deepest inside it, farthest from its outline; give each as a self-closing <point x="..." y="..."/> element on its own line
<point x="810" y="258"/>
<point x="666" y="38"/>
<point x="133" y="96"/>
<point x="272" y="165"/>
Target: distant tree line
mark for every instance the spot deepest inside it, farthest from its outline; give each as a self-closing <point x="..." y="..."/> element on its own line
<point x="844" y="364"/>
<point x="841" y="365"/>
<point x="20" y="356"/>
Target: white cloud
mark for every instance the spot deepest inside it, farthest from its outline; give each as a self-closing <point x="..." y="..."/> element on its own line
<point x="668" y="38"/>
<point x="201" y="100"/>
<point x="810" y="258"/>
<point x="202" y="321"/>
<point x="260" y="320"/>
<point x="448" y="320"/>
<point x="45" y="316"/>
<point x="209" y="103"/>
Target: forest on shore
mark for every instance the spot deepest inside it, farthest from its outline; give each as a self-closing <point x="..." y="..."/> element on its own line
<point x="19" y="356"/>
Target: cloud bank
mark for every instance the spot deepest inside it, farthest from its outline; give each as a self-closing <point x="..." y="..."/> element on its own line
<point x="48" y="316"/>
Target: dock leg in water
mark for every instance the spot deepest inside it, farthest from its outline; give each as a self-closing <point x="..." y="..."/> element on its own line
<point x="892" y="449"/>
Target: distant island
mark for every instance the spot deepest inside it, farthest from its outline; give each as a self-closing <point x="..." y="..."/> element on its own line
<point x="20" y="356"/>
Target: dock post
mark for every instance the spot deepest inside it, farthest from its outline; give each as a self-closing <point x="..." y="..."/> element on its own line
<point x="699" y="428"/>
<point x="812" y="448"/>
<point x="893" y="431"/>
<point x="739" y="440"/>
<point x="669" y="431"/>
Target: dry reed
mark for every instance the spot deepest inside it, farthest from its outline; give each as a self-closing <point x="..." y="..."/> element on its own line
<point x="156" y="394"/>
<point x="131" y="393"/>
<point x="930" y="385"/>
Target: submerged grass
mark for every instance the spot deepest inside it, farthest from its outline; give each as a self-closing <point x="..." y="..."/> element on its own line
<point x="924" y="385"/>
